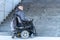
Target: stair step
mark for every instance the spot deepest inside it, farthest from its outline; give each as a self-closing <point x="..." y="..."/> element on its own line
<point x="6" y="6"/>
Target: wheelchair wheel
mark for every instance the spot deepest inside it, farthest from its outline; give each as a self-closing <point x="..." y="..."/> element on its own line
<point x="24" y="34"/>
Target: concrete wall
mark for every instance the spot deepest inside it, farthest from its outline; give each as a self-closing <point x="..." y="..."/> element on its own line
<point x="46" y="15"/>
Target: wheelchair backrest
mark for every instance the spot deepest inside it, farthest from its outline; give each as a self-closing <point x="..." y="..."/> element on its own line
<point x="18" y="19"/>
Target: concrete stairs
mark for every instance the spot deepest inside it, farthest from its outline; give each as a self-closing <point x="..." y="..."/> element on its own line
<point x="5" y="28"/>
<point x="6" y="7"/>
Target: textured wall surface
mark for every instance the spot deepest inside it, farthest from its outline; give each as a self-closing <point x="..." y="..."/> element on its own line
<point x="46" y="17"/>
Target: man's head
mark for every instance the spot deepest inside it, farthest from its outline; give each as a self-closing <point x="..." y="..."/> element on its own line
<point x="20" y="7"/>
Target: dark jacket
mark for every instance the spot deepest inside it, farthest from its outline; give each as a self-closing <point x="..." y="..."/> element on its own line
<point x="21" y="14"/>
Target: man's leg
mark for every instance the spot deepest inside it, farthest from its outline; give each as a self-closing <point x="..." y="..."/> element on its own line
<point x="14" y="33"/>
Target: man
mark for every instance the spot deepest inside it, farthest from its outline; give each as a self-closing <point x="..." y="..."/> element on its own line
<point x="21" y="14"/>
<point x="21" y="17"/>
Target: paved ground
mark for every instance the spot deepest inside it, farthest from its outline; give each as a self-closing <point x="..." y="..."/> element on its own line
<point x="35" y="38"/>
